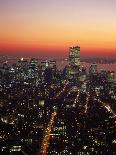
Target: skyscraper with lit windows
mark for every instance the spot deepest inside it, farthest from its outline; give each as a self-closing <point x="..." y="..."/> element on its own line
<point x="74" y="56"/>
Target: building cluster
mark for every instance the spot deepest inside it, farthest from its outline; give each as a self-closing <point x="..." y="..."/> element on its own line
<point x="44" y="110"/>
<point x="37" y="72"/>
<point x="79" y="75"/>
<point x="33" y="71"/>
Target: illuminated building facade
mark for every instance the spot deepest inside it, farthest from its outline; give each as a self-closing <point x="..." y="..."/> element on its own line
<point x="93" y="69"/>
<point x="74" y="56"/>
<point x="50" y="111"/>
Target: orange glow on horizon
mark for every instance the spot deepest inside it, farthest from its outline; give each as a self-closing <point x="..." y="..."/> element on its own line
<point x="55" y="49"/>
<point x="51" y="28"/>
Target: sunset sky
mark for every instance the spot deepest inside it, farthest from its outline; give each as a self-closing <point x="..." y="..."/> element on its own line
<point x="49" y="27"/>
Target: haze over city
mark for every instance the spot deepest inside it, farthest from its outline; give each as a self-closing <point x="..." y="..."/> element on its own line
<point x="48" y="27"/>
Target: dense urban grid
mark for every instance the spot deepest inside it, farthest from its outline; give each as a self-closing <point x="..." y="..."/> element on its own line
<point x="46" y="111"/>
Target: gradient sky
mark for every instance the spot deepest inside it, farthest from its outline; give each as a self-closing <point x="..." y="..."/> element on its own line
<point x="49" y="27"/>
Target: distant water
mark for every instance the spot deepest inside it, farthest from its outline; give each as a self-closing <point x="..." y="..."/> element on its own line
<point x="107" y="67"/>
<point x="62" y="63"/>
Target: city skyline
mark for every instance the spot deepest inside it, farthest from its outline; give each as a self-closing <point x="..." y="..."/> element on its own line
<point x="48" y="28"/>
<point x="57" y="77"/>
<point x="46" y="111"/>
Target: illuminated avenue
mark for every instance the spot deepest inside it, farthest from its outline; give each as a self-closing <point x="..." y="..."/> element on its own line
<point x="46" y="139"/>
<point x="46" y="111"/>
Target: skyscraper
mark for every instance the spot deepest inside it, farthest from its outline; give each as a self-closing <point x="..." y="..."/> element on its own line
<point x="74" y="56"/>
<point x="93" y="69"/>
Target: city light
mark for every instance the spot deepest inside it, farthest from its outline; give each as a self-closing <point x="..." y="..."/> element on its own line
<point x="45" y="110"/>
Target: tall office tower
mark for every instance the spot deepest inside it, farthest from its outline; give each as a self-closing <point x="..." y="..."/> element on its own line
<point x="93" y="69"/>
<point x="44" y="65"/>
<point x="83" y="74"/>
<point x="33" y="63"/>
<point x="111" y="76"/>
<point x="52" y="64"/>
<point x="21" y="69"/>
<point x="74" y="56"/>
<point x="22" y="63"/>
<point x="33" y="68"/>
